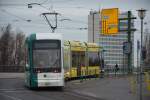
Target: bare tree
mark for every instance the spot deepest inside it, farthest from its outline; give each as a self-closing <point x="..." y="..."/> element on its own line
<point x="19" y="51"/>
<point x="11" y="47"/>
<point x="6" y="45"/>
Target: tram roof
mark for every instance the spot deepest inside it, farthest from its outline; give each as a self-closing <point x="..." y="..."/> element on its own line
<point x="82" y="46"/>
<point x="41" y="36"/>
<point x="92" y="45"/>
<point x="74" y="43"/>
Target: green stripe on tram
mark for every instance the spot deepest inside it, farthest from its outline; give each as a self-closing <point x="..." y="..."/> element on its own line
<point x="33" y="76"/>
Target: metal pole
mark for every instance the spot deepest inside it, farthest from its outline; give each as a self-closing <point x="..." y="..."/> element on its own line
<point x="138" y="65"/>
<point x="129" y="40"/>
<point x="93" y="26"/>
<point x="123" y="65"/>
<point x="141" y="34"/>
<point x="141" y="60"/>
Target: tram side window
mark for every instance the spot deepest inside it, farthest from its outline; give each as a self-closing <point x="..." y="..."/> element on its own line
<point x="74" y="59"/>
<point x="78" y="59"/>
<point x="93" y="59"/>
<point x="82" y="61"/>
<point x="66" y="59"/>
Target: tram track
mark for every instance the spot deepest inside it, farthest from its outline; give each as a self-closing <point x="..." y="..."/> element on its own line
<point x="54" y="95"/>
<point x="14" y="89"/>
<point x="48" y="94"/>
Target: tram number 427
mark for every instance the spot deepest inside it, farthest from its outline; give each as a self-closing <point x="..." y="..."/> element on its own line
<point x="47" y="83"/>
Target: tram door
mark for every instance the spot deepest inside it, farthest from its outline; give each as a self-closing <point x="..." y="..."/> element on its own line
<point x="78" y="61"/>
<point x="81" y="62"/>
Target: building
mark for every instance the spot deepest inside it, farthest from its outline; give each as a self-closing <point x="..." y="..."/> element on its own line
<point x="146" y="48"/>
<point x="112" y="44"/>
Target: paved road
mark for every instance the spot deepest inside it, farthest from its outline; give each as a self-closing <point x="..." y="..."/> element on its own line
<point x="107" y="89"/>
<point x="112" y="88"/>
<point x="12" y="88"/>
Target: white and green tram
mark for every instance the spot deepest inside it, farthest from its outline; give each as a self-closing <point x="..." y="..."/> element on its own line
<point x="44" y="60"/>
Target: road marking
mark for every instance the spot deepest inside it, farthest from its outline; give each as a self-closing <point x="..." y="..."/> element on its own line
<point x="87" y="96"/>
<point x="11" y="97"/>
<point x="11" y="89"/>
<point x="16" y="91"/>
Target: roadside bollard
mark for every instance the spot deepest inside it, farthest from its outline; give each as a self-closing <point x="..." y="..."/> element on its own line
<point x="89" y="74"/>
<point x="133" y="84"/>
<point x="101" y="74"/>
<point x="95" y="74"/>
<point x="81" y="76"/>
<point x="84" y="74"/>
<point x="147" y="80"/>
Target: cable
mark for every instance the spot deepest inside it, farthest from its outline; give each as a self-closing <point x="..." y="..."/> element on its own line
<point x="44" y="2"/>
<point x="9" y="4"/>
<point x="62" y="1"/>
<point x="69" y="19"/>
<point x="27" y="20"/>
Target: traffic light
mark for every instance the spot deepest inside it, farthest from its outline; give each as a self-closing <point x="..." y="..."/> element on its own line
<point x="143" y="53"/>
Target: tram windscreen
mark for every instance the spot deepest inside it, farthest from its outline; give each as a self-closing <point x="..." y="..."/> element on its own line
<point x="47" y="54"/>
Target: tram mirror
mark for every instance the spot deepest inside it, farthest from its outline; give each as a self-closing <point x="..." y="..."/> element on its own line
<point x="27" y="67"/>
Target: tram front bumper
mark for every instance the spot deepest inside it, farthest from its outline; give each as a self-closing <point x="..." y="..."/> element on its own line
<point x="50" y="83"/>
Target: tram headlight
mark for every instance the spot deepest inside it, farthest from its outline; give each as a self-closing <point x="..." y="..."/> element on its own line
<point x="67" y="73"/>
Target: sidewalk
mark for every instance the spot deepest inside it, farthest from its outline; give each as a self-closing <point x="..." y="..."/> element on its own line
<point x="115" y="88"/>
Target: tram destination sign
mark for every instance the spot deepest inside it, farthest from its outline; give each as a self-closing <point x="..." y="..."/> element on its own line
<point x="46" y="44"/>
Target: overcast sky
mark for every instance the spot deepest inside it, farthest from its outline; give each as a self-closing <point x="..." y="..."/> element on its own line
<point x="16" y="13"/>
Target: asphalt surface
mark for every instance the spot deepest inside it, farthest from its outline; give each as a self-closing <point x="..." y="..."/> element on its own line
<point x="12" y="88"/>
<point x="108" y="88"/>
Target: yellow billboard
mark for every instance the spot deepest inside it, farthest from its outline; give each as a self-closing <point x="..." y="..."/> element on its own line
<point x="109" y="21"/>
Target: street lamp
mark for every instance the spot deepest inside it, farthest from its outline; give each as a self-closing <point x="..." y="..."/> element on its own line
<point x="141" y="14"/>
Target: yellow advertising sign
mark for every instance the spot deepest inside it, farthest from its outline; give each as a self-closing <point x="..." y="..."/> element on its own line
<point x="109" y="21"/>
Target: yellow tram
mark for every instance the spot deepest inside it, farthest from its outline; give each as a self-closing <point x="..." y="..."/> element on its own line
<point x="81" y="59"/>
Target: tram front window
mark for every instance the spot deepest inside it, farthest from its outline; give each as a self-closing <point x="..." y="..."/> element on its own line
<point x="46" y="56"/>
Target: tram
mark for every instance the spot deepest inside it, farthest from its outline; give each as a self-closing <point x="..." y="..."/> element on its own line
<point x="81" y="60"/>
<point x="50" y="60"/>
<point x="44" y="60"/>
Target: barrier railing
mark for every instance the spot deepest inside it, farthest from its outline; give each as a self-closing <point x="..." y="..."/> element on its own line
<point x="11" y="68"/>
<point x="147" y="80"/>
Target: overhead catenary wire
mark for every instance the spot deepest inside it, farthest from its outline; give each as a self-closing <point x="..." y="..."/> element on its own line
<point x="29" y="20"/>
<point x="24" y="19"/>
<point x="46" y="1"/>
<point x="72" y="20"/>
